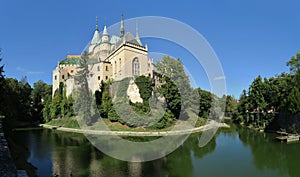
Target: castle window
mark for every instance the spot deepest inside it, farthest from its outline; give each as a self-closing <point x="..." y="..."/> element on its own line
<point x="135" y="67"/>
<point x="115" y="67"/>
<point x="99" y="78"/>
<point x="120" y="68"/>
<point x="63" y="76"/>
<point x="55" y="77"/>
<point x="98" y="68"/>
<point x="106" y="68"/>
<point x="72" y="71"/>
<point x="106" y="77"/>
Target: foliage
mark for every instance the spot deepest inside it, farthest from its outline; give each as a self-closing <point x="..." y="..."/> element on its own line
<point x="172" y="70"/>
<point x="2" y="82"/>
<point x="294" y="63"/>
<point x="83" y="96"/>
<point x="204" y="103"/>
<point x="230" y="106"/>
<point x="293" y="101"/>
<point x="69" y="122"/>
<point x="266" y="99"/>
<point x="145" y="87"/>
<point x="16" y="96"/>
<point x="103" y="100"/>
<point x="41" y="96"/>
<point x="60" y="105"/>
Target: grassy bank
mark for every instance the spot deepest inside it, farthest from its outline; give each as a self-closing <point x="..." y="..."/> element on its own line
<point x="68" y="122"/>
<point x="71" y="122"/>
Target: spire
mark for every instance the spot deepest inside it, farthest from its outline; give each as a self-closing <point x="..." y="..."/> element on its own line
<point x="137" y="37"/>
<point x="96" y="37"/>
<point x="97" y="23"/>
<point x="122" y="30"/>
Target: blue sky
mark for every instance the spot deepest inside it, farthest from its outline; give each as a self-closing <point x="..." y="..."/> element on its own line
<point x="250" y="37"/>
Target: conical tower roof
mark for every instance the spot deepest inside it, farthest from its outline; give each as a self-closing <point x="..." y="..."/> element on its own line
<point x="105" y="33"/>
<point x="96" y="38"/>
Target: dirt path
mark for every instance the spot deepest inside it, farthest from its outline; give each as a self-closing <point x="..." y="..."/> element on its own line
<point x="128" y="133"/>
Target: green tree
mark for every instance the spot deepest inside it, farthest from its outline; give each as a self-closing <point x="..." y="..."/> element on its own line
<point x="293" y="101"/>
<point x="55" y="106"/>
<point x="104" y="100"/>
<point x="243" y="106"/>
<point x="83" y="96"/>
<point x="145" y="87"/>
<point x="40" y="95"/>
<point x="257" y="99"/>
<point x="204" y="103"/>
<point x="294" y="63"/>
<point x="2" y="80"/>
<point x="231" y="106"/>
<point x="17" y="99"/>
<point x="173" y="69"/>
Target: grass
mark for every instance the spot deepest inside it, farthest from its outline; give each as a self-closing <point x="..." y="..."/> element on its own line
<point x="68" y="122"/>
<point x="27" y="128"/>
<point x="71" y="122"/>
<point x="116" y="126"/>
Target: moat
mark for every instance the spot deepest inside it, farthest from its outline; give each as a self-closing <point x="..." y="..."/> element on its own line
<point x="237" y="151"/>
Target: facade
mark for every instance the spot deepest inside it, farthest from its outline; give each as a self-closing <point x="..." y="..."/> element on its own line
<point x="110" y="57"/>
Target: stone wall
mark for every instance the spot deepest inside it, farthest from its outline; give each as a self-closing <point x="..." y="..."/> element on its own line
<point x="7" y="167"/>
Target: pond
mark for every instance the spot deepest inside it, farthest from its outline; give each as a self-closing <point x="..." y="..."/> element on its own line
<point x="237" y="151"/>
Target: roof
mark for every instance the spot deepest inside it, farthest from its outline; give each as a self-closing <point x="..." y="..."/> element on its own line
<point x="114" y="39"/>
<point x="96" y="38"/>
<point x="76" y="61"/>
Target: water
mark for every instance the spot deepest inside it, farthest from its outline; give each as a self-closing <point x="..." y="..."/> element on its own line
<point x="232" y="152"/>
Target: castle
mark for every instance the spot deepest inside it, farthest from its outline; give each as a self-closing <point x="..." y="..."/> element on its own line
<point x="110" y="57"/>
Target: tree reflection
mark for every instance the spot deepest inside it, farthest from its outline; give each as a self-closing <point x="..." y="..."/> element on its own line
<point x="74" y="155"/>
<point x="269" y="154"/>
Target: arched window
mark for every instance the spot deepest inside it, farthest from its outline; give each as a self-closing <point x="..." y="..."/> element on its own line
<point x="135" y="67"/>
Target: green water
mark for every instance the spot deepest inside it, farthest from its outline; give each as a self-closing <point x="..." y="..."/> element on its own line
<point x="232" y="152"/>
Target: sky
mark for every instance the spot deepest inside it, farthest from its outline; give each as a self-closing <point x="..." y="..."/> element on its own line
<point x="250" y="37"/>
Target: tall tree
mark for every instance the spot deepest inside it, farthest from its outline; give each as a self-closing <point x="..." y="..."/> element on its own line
<point x="293" y="101"/>
<point x="205" y="103"/>
<point x="41" y="96"/>
<point x="257" y="99"/>
<point x="231" y="106"/>
<point x="176" y="86"/>
<point x="2" y="80"/>
<point x="83" y="96"/>
<point x="17" y="99"/>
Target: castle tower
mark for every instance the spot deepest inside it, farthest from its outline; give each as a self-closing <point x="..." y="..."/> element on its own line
<point x="105" y="45"/>
<point x="105" y="36"/>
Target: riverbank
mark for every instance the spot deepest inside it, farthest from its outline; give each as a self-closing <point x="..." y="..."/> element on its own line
<point x="7" y="167"/>
<point x="211" y="125"/>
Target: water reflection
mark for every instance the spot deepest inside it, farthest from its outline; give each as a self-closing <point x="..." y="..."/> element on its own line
<point x="70" y="154"/>
<point x="271" y="155"/>
<point x="232" y="152"/>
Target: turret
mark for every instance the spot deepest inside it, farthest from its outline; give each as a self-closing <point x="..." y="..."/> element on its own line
<point x="105" y="44"/>
<point x="105" y="35"/>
